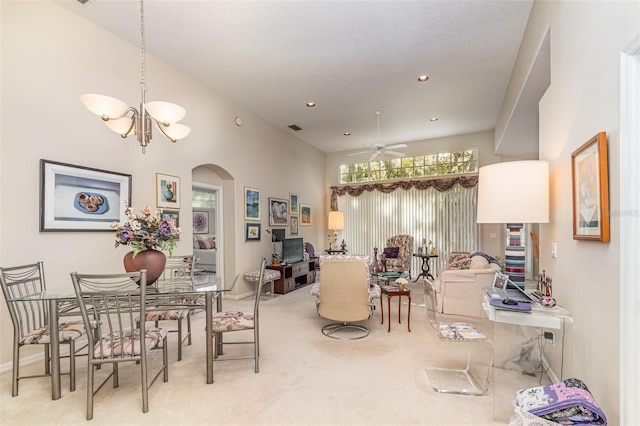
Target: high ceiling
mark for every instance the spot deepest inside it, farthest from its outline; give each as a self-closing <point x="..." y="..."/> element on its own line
<point x="349" y="57"/>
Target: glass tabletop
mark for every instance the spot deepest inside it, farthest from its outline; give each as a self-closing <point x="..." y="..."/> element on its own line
<point x="164" y="286"/>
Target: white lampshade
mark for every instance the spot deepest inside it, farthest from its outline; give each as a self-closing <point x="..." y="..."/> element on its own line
<point x="165" y="112"/>
<point x="336" y="220"/>
<point x="104" y="106"/>
<point x="121" y="126"/>
<point x="514" y="192"/>
<point x="175" y="131"/>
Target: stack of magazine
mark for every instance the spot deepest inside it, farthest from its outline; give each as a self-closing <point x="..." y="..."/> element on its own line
<point x="459" y="331"/>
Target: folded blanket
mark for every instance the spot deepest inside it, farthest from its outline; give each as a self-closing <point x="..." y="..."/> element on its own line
<point x="568" y="402"/>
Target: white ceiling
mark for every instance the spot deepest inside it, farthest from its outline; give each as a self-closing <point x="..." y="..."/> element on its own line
<point x="349" y="57"/>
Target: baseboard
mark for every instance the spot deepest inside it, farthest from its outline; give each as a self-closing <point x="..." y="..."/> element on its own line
<point x="39" y="357"/>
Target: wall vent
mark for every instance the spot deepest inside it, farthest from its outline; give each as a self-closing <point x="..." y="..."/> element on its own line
<point x="295" y="127"/>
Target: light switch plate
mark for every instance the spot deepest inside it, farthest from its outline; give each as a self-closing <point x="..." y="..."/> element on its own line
<point x="554" y="250"/>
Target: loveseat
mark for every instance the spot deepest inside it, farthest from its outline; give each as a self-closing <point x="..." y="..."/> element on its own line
<point x="204" y="249"/>
<point x="460" y="285"/>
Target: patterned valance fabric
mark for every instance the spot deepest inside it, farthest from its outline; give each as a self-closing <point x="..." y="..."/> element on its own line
<point x="440" y="185"/>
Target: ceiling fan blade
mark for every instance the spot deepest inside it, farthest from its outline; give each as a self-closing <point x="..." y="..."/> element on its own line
<point x="395" y="153"/>
<point x="396" y="146"/>
<point x="374" y="156"/>
<point x="358" y="153"/>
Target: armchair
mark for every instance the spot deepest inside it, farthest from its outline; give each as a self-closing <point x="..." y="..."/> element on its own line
<point x="460" y="286"/>
<point x="402" y="261"/>
<point x="344" y="295"/>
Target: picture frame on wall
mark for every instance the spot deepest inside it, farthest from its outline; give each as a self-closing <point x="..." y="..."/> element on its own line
<point x="293" y="204"/>
<point x="172" y="217"/>
<point x="200" y="222"/>
<point x="590" y="185"/>
<point x="252" y="231"/>
<point x="167" y="191"/>
<point x="251" y="203"/>
<point x="79" y="198"/>
<point x="293" y="227"/>
<point x="305" y="215"/>
<point x="278" y="212"/>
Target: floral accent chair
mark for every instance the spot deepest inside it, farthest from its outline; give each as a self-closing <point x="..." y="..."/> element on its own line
<point x="402" y="261"/>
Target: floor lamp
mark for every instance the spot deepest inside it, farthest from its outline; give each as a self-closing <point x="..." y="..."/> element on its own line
<point x="514" y="193"/>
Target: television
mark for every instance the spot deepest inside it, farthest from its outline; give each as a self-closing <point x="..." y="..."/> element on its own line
<point x="292" y="250"/>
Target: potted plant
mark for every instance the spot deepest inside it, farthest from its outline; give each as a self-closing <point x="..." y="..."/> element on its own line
<point x="147" y="235"/>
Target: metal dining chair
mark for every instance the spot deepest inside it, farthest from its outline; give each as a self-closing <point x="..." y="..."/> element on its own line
<point x="117" y="301"/>
<point x="30" y="320"/>
<point x="176" y="266"/>
<point x="234" y="321"/>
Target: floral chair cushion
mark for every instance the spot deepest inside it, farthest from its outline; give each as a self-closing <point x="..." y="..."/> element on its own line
<point x="232" y="321"/>
<point x="127" y="342"/>
<point x="68" y="331"/>
<point x="175" y="314"/>
<point x="269" y="275"/>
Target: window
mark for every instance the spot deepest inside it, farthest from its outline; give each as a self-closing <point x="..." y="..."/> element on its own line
<point x="419" y="166"/>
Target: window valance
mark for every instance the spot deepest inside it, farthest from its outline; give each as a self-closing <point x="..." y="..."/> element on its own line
<point x="440" y="185"/>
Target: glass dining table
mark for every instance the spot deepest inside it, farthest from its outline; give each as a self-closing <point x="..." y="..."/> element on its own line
<point x="197" y="292"/>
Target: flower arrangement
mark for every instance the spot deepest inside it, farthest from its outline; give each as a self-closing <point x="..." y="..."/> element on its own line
<point x="402" y="281"/>
<point x="146" y="231"/>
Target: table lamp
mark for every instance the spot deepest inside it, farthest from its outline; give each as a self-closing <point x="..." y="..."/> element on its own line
<point x="336" y="223"/>
<point x="514" y="193"/>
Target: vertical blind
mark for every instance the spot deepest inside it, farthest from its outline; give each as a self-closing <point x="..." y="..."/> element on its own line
<point x="447" y="218"/>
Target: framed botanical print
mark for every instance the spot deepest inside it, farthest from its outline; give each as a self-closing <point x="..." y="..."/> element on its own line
<point x="173" y="217"/>
<point x="590" y="178"/>
<point x="293" y="227"/>
<point x="252" y="231"/>
<point x="251" y="203"/>
<point x="305" y="215"/>
<point x="200" y="222"/>
<point x="78" y="198"/>
<point x="167" y="191"/>
<point x="278" y="212"/>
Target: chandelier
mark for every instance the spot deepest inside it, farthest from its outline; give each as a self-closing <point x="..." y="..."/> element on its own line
<point x="115" y="113"/>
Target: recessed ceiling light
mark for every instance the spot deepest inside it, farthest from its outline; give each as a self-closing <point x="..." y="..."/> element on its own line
<point x="423" y="78"/>
<point x="311" y="104"/>
<point x="434" y="119"/>
<point x="347" y="133"/>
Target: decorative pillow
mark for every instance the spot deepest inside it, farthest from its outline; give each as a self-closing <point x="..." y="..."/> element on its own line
<point x="461" y="264"/>
<point x="479" y="262"/>
<point x="457" y="256"/>
<point x="205" y="241"/>
<point x="391" y="252"/>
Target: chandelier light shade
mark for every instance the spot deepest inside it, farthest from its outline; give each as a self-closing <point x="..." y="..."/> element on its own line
<point x="125" y="120"/>
<point x="514" y="192"/>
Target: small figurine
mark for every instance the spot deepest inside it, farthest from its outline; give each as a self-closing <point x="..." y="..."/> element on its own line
<point x="343" y="245"/>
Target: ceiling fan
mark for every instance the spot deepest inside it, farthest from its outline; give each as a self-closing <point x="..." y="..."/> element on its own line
<point x="378" y="149"/>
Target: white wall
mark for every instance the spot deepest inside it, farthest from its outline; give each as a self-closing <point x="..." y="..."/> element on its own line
<point x="50" y="57"/>
<point x="584" y="99"/>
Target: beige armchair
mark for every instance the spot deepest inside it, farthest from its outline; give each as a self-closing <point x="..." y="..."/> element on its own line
<point x="460" y="291"/>
<point x="344" y="295"/>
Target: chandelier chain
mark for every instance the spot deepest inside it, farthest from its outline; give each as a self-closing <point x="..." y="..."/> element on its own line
<point x="142" y="83"/>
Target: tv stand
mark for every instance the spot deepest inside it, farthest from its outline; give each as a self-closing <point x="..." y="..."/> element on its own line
<point x="294" y="275"/>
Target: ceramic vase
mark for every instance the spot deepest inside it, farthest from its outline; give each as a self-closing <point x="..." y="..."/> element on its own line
<point x="151" y="260"/>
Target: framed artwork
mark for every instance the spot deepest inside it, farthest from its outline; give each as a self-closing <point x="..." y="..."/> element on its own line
<point x="305" y="215"/>
<point x="251" y="203"/>
<point x="590" y="178"/>
<point x="294" y="225"/>
<point x="200" y="222"/>
<point x="293" y="203"/>
<point x="278" y="212"/>
<point x="77" y="198"/>
<point x="252" y="231"/>
<point x="167" y="191"/>
<point x="173" y="217"/>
